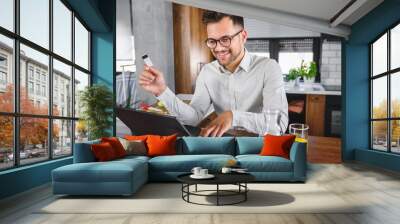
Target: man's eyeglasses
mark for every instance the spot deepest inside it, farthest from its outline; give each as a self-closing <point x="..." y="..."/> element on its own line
<point x="225" y="41"/>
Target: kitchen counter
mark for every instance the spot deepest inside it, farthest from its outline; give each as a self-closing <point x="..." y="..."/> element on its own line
<point x="312" y="89"/>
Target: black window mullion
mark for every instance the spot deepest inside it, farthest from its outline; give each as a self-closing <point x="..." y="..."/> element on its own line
<point x="316" y="56"/>
<point x="16" y="69"/>
<point x="274" y="49"/>
<point x="50" y="81"/>
<point x="371" y="89"/>
<point x="389" y="101"/>
<point x="73" y="82"/>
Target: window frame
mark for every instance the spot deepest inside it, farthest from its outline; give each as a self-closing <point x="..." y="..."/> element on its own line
<point x="388" y="74"/>
<point x="16" y="114"/>
<point x="274" y="49"/>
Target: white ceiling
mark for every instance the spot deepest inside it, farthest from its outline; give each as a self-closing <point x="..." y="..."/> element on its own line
<point x="311" y="15"/>
<point x="320" y="9"/>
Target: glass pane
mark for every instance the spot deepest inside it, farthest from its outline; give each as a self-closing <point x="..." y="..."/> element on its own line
<point x="62" y="138"/>
<point x="62" y="29"/>
<point x="395" y="94"/>
<point x="35" y="21"/>
<point x="7" y="14"/>
<point x="6" y="142"/>
<point x="379" y="135"/>
<point x="289" y="60"/>
<point x="81" y="131"/>
<point x="379" y="56"/>
<point x="6" y="74"/>
<point x="379" y="98"/>
<point x="395" y="47"/>
<point x="81" y="81"/>
<point x="81" y="45"/>
<point x="62" y="89"/>
<point x="395" y="136"/>
<point x="34" y="97"/>
<point x="33" y="139"/>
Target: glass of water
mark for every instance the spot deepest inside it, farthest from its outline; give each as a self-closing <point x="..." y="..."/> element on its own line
<point x="300" y="130"/>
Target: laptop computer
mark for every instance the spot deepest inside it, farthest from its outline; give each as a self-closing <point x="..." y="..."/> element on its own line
<point x="143" y="123"/>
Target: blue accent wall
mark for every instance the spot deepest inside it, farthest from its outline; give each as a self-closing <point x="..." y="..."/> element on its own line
<point x="103" y="51"/>
<point x="99" y="16"/>
<point x="356" y="85"/>
<point x="24" y="178"/>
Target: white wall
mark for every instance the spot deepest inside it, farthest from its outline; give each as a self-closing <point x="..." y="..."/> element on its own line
<point x="331" y="63"/>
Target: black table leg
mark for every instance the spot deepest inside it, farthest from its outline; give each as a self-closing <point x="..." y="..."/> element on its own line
<point x="245" y="193"/>
<point x="217" y="194"/>
<point x="196" y="188"/>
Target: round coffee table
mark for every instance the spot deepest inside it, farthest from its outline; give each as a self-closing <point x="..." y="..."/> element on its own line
<point x="238" y="179"/>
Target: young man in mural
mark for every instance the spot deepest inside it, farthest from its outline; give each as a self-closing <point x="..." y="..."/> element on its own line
<point x="241" y="87"/>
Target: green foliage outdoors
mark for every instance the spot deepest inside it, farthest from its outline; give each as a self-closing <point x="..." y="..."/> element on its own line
<point x="96" y="102"/>
<point x="379" y="128"/>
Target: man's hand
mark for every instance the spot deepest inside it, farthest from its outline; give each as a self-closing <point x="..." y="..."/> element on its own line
<point x="219" y="125"/>
<point x="152" y="80"/>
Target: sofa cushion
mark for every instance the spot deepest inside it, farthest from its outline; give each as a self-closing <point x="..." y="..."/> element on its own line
<point x="249" y="145"/>
<point x="161" y="145"/>
<point x="103" y="152"/>
<point x="111" y="171"/>
<point x="134" y="147"/>
<point x="208" y="145"/>
<point x="83" y="152"/>
<point x="277" y="145"/>
<point x="257" y="163"/>
<point x="185" y="163"/>
<point x="116" y="145"/>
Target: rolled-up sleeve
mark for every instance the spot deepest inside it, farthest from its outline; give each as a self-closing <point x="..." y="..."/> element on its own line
<point x="274" y="99"/>
<point x="193" y="113"/>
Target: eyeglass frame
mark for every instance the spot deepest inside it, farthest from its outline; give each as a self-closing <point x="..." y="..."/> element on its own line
<point x="230" y="37"/>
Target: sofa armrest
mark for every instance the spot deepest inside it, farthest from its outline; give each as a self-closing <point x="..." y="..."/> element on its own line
<point x="298" y="155"/>
<point x="83" y="152"/>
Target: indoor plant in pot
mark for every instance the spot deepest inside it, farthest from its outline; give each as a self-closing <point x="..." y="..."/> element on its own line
<point x="96" y="102"/>
<point x="293" y="77"/>
<point x="307" y="71"/>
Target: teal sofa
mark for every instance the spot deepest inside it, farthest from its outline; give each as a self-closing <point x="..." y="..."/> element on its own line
<point x="125" y="176"/>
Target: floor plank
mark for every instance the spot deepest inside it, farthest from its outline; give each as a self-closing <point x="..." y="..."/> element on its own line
<point x="376" y="190"/>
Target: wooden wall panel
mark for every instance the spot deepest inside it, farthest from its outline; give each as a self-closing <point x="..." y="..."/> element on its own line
<point x="189" y="48"/>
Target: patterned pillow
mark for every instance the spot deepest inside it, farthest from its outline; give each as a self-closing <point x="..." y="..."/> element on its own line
<point x="134" y="147"/>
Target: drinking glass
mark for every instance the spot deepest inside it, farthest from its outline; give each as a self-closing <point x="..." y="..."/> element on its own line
<point x="300" y="130"/>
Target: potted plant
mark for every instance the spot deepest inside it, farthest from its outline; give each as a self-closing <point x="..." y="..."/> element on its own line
<point x="307" y="71"/>
<point x="96" y="102"/>
<point x="292" y="77"/>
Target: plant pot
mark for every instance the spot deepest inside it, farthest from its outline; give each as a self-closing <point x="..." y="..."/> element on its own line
<point x="309" y="81"/>
<point x="290" y="83"/>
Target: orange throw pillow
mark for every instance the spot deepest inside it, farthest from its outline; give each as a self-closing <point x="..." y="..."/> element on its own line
<point x="161" y="145"/>
<point x="116" y="145"/>
<point x="277" y="145"/>
<point x="103" y="152"/>
<point x="136" y="137"/>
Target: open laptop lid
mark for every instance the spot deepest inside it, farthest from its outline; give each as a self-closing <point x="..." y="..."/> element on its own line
<point x="143" y="123"/>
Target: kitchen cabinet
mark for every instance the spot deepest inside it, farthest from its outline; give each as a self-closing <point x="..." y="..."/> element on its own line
<point x="315" y="114"/>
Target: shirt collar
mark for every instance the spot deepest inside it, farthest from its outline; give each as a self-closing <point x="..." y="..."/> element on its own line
<point x="244" y="64"/>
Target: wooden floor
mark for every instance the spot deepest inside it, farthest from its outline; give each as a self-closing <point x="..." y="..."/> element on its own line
<point x="378" y="189"/>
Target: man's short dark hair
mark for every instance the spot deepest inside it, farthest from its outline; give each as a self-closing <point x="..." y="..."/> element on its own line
<point x="214" y="17"/>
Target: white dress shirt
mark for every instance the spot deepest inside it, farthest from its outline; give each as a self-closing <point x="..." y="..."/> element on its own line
<point x="254" y="89"/>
